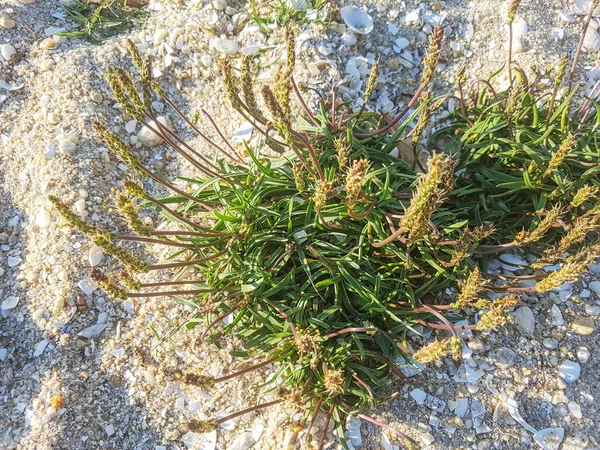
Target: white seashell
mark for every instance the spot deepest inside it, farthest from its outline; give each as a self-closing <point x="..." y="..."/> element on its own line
<point x="50" y="151"/>
<point x="95" y="256"/>
<point x="549" y="438"/>
<point x="7" y="51"/>
<point x="582" y="7"/>
<point x="10" y="303"/>
<point x="569" y="371"/>
<point x="357" y="20"/>
<point x="591" y="41"/>
<point x="224" y="45"/>
<point x="251" y="48"/>
<point x="566" y="18"/>
<point x="93" y="330"/>
<point x="42" y="218"/>
<point x="13" y="261"/>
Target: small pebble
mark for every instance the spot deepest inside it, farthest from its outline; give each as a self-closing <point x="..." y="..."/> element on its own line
<point x="525" y="320"/>
<point x="47" y="43"/>
<point x="7" y="51"/>
<point x="80" y="205"/>
<point x="583" y="354"/>
<point x="575" y="410"/>
<point x="219" y="5"/>
<point x="159" y="35"/>
<point x="569" y="371"/>
<point x="67" y="147"/>
<point x="6" y="21"/>
<point x="550" y="343"/>
<point x="584" y="326"/>
<point x="43" y="218"/>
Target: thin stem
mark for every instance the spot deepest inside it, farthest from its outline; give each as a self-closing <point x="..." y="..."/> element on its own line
<point x="218" y="130"/>
<point x="169" y="293"/>
<point x="220" y="318"/>
<point x="179" y="233"/>
<point x="444" y="327"/>
<point x="442" y="318"/>
<point x="303" y="104"/>
<point x="183" y="219"/>
<point x="314" y="416"/>
<point x="586" y="24"/>
<point x="352" y="330"/>
<point x="196" y="130"/>
<point x="367" y="388"/>
<point x="398" y="117"/>
<point x="155" y="241"/>
<point x="185" y="263"/>
<point x="248" y="370"/>
<point x="380" y="424"/>
<point x="509" y="62"/>
<point x="325" y="427"/>
<point x="170" y="283"/>
<point x="249" y="410"/>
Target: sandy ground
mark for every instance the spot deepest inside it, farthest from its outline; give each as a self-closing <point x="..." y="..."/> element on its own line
<point x="119" y="388"/>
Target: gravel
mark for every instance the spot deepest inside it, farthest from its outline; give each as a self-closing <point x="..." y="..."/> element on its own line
<point x="80" y="370"/>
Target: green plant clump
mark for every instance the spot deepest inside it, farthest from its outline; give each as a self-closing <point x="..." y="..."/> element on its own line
<point x="327" y="255"/>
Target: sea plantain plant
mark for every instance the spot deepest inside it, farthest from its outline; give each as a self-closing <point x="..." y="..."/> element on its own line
<point x="327" y="250"/>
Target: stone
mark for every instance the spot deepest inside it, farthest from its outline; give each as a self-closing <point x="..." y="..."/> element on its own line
<point x="550" y="343"/>
<point x="109" y="430"/>
<point x="147" y="137"/>
<point x="575" y="410"/>
<point x="243" y="442"/>
<point x="595" y="286"/>
<point x="7" y="51"/>
<point x="525" y="320"/>
<point x="427" y="439"/>
<point x="6" y="21"/>
<point x="159" y="35"/>
<point x="26" y="2"/>
<point x="569" y="371"/>
<point x="67" y="147"/>
<point x="583" y="354"/>
<point x="46" y="64"/>
<point x="549" y="438"/>
<point x="503" y="357"/>
<point x="584" y="326"/>
<point x="219" y="5"/>
<point x="592" y="310"/>
<point x="47" y="43"/>
<point x="95" y="256"/>
<point x="43" y="218"/>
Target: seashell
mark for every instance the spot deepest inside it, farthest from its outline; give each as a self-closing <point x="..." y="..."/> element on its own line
<point x="591" y="41"/>
<point x="357" y="20"/>
<point x="549" y="438"/>
<point x="582" y="7"/>
<point x="95" y="256"/>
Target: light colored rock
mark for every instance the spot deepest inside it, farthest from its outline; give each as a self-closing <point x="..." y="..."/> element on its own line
<point x="159" y="35"/>
<point x="595" y="286"/>
<point x="109" y="429"/>
<point x="3" y="354"/>
<point x="6" y="21"/>
<point x="7" y="51"/>
<point x="26" y="2"/>
<point x="13" y="261"/>
<point x="550" y="343"/>
<point x="147" y="137"/>
<point x="549" y="438"/>
<point x="10" y="303"/>
<point x="43" y="218"/>
<point x="525" y="320"/>
<point x="47" y="44"/>
<point x="427" y="439"/>
<point x="583" y="354"/>
<point x="243" y="442"/>
<point x="79" y="205"/>
<point x="584" y="326"/>
<point x="67" y="147"/>
<point x="130" y="126"/>
<point x="219" y="5"/>
<point x="47" y="64"/>
<point x="95" y="256"/>
<point x="224" y="45"/>
<point x="575" y="410"/>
